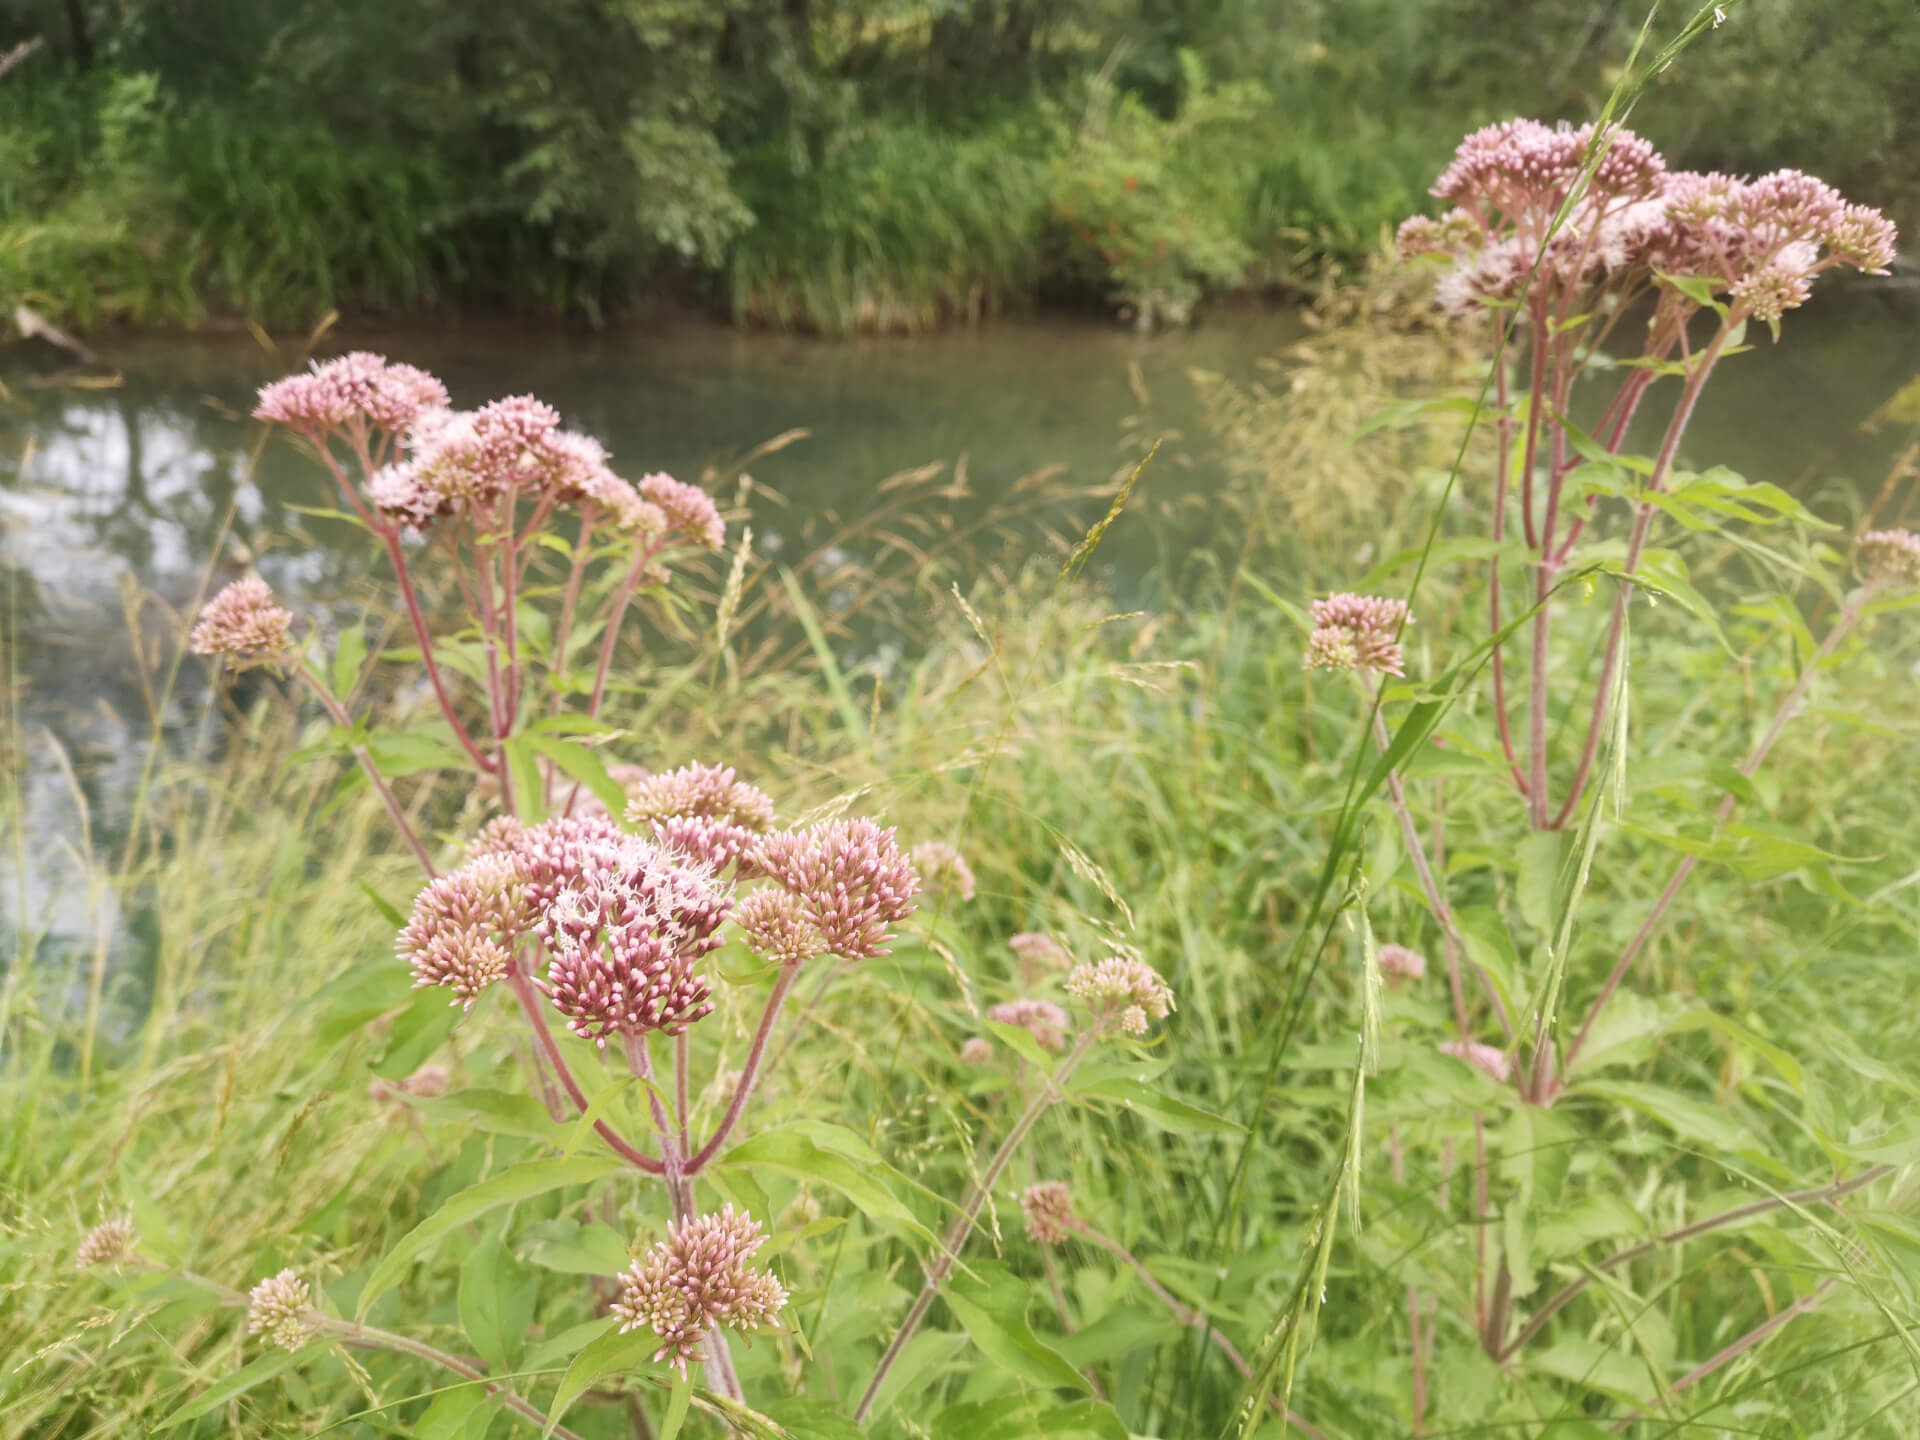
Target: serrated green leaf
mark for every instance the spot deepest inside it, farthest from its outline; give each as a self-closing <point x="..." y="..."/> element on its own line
<point x="404" y="752"/>
<point x="612" y="1354"/>
<point x="348" y="658"/>
<point x="496" y="1303"/>
<point x="864" y="1182"/>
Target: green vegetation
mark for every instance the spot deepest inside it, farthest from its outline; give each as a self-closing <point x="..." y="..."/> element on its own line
<point x="1170" y="782"/>
<point x="830" y="164"/>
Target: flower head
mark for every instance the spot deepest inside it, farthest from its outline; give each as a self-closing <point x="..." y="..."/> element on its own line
<point x="688" y="508"/>
<point x="941" y="867"/>
<point x="1123" y="988"/>
<point x="1048" y="1208"/>
<point x="1038" y="951"/>
<point x="696" y="1278"/>
<point x="977" y="1051"/>
<point x="1489" y="1060"/>
<point x="464" y="926"/>
<point x="359" y="387"/>
<point x="1891" y="557"/>
<point x="624" y="931"/>
<point x="1401" y="965"/>
<point x="107" y="1242"/>
<point x="1357" y="632"/>
<point x="243" y="622"/>
<point x="851" y="878"/>
<point x="775" y="925"/>
<point x="1042" y="1019"/>
<point x="711" y="790"/>
<point x="281" y="1308"/>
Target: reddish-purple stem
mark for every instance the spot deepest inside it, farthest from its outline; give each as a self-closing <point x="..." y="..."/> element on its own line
<point x="529" y="998"/>
<point x="751" y="1074"/>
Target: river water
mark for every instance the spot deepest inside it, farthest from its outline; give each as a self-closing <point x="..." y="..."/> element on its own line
<point x="112" y="490"/>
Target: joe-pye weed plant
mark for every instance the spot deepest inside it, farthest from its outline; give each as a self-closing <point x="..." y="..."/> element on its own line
<point x="610" y="899"/>
<point x="1592" y="267"/>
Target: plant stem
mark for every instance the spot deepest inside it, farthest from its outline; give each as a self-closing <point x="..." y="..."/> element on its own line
<point x="338" y="713"/>
<point x="1820" y="1195"/>
<point x="529" y="998"/>
<point x="568" y="602"/>
<point x="748" y="1076"/>
<point x="962" y="1227"/>
<point x="366" y="1337"/>
<point x="1436" y="899"/>
<point x="1502" y="463"/>
<point x="1636" y="545"/>
<point x="1746" y="1342"/>
<point x="1838" y="631"/>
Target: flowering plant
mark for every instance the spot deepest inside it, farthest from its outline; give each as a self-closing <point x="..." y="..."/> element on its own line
<point x="618" y="901"/>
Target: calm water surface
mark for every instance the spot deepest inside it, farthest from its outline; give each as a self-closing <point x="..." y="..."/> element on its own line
<point x="107" y="491"/>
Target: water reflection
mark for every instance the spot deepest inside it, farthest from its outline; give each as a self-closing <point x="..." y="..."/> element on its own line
<point x="146" y="488"/>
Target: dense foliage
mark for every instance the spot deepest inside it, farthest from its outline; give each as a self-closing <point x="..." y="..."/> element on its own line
<point x="837" y="164"/>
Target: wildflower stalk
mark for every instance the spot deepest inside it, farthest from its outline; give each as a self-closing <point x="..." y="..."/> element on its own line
<point x="338" y="714"/>
<point x="1842" y="626"/>
<point x="1429" y="883"/>
<point x="748" y="1076"/>
<point x="717" y="1356"/>
<point x="1636" y="546"/>
<point x="1501" y="479"/>
<point x="389" y="536"/>
<point x="1819" y="1195"/>
<point x="957" y="1233"/>
<point x="570" y="600"/>
<point x="368" y="1337"/>
<point x="549" y="1049"/>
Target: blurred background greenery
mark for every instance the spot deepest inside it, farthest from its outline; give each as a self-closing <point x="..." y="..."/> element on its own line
<point x="833" y="165"/>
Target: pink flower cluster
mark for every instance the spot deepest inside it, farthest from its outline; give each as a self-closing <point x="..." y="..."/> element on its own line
<point x="1123" y="989"/>
<point x="465" y="925"/>
<point x="243" y="622"/>
<point x="1042" y="1019"/>
<point x="1891" y="557"/>
<point x="941" y="867"/>
<point x="1760" y="242"/>
<point x="851" y="878"/>
<point x="1490" y="1060"/>
<point x="356" y="390"/>
<point x="1038" y="951"/>
<point x="281" y="1308"/>
<point x="705" y="812"/>
<point x="1400" y="965"/>
<point x="1048" y="1208"/>
<point x="775" y="926"/>
<point x="1357" y="632"/>
<point x="452" y="462"/>
<point x="107" y="1242"/>
<point x="696" y="1278"/>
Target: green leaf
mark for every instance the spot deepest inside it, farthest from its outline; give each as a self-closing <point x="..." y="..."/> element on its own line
<point x="1696" y="288"/>
<point x="575" y="1249"/>
<point x="496" y="1303"/>
<point x="522" y="1182"/>
<point x="388" y="912"/>
<point x="529" y="785"/>
<point x="1492" y="950"/>
<point x="257" y="1371"/>
<point x="992" y="1304"/>
<point x="1164" y="1111"/>
<point x="418" y="1030"/>
<point x="454" y="1414"/>
<point x="1665" y="573"/>
<point x="611" y="1354"/>
<point x="406" y="752"/>
<point x="850" y="716"/>
<point x="496" y="1112"/>
<point x="1689" y="1119"/>
<point x="573" y="723"/>
<point x="805" y="1419"/>
<point x="677" y="1404"/>
<point x="790" y="1151"/>
<point x="348" y="658"/>
<point x="586" y="766"/>
<point x="1019" y="1039"/>
<point x="1539" y="878"/>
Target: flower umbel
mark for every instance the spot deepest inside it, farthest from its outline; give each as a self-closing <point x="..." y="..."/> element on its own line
<point x="775" y="926"/>
<point x="464" y="926"/>
<point x="1891" y="557"/>
<point x="1130" y="991"/>
<point x="281" y="1308"/>
<point x="107" y="1242"/>
<point x="851" y="878"/>
<point x="1400" y="965"/>
<point x="941" y="867"/>
<point x="696" y="1278"/>
<point x="1048" y="1208"/>
<point x="1042" y="1019"/>
<point x="243" y="622"/>
<point x="1357" y="632"/>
